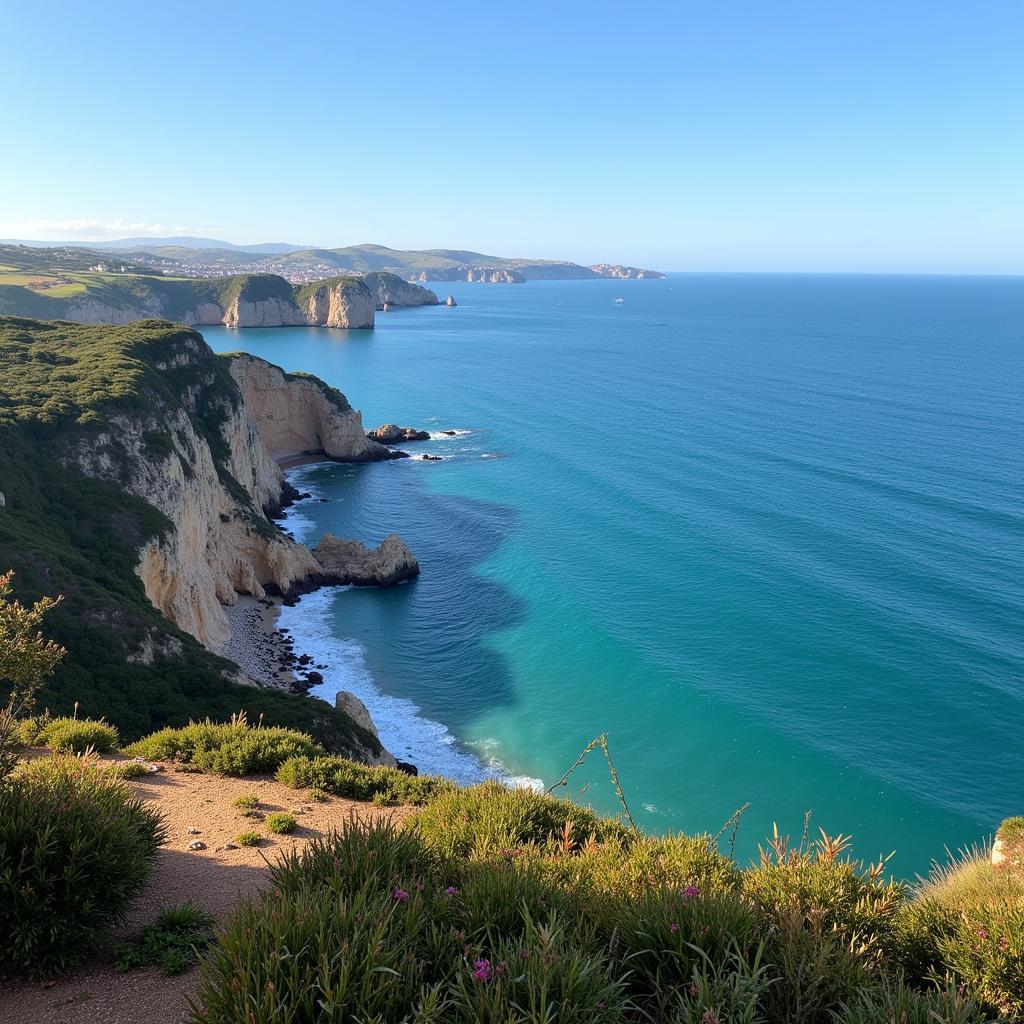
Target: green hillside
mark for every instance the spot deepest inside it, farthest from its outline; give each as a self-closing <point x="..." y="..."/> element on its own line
<point x="66" y="533"/>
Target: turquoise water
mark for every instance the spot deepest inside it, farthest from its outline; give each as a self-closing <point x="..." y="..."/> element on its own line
<point x="767" y="532"/>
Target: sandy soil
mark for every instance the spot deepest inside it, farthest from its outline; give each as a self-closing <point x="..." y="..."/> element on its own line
<point x="213" y="877"/>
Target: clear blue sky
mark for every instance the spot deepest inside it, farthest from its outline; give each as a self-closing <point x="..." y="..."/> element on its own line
<point x="689" y="135"/>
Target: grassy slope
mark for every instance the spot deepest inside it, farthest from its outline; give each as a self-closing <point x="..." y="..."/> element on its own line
<point x="66" y="534"/>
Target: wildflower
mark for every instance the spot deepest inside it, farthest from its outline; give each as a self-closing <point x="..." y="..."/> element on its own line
<point x="500" y="969"/>
<point x="694" y="989"/>
<point x="400" y="896"/>
<point x="481" y="970"/>
<point x="419" y="887"/>
<point x="451" y="891"/>
<point x="691" y="892"/>
<point x="673" y="927"/>
<point x="710" y="1017"/>
<point x="982" y="934"/>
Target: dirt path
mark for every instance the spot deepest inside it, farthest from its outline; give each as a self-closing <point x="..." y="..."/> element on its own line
<point x="214" y="878"/>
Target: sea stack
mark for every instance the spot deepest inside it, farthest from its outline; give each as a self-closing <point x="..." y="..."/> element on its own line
<point x="450" y="301"/>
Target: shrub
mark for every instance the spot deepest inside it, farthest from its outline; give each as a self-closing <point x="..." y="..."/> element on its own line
<point x="413" y="946"/>
<point x="344" y="778"/>
<point x="967" y="920"/>
<point x="75" y="848"/>
<point x="128" y="769"/>
<point x="248" y="838"/>
<point x="246" y="802"/>
<point x="490" y="818"/>
<point x="281" y="822"/>
<point x="894" y="1002"/>
<point x="76" y="735"/>
<point x="234" y="748"/>
<point x="172" y="942"/>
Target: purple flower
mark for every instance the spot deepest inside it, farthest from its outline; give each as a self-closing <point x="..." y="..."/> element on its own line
<point x="481" y="970"/>
<point x="690" y="892"/>
<point x="399" y="895"/>
<point x="709" y="1017"/>
<point x="419" y="887"/>
<point x="982" y="934"/>
<point x="673" y="927"/>
<point x="451" y="891"/>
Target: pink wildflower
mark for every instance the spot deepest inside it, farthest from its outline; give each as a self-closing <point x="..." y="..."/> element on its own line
<point x="399" y="895"/>
<point x="982" y="934"/>
<point x="451" y="891"/>
<point x="690" y="892"/>
<point x="482" y="970"/>
<point x="419" y="887"/>
<point x="710" y="1017"/>
<point x="694" y="989"/>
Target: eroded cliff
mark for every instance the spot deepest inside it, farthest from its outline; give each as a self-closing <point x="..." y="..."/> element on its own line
<point x="298" y="414"/>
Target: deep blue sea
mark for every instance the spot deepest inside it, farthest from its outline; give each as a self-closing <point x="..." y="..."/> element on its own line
<point x="765" y="531"/>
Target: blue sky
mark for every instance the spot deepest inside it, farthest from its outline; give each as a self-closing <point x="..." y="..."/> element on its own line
<point x="689" y="136"/>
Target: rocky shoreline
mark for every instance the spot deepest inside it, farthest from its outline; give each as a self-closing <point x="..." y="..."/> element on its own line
<point x="265" y="652"/>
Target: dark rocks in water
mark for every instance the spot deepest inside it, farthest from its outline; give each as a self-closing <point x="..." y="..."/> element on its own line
<point x="305" y="659"/>
<point x="449" y="433"/>
<point x="431" y="458"/>
<point x="406" y="768"/>
<point x="450" y="301"/>
<point x="390" y="433"/>
<point x="314" y="678"/>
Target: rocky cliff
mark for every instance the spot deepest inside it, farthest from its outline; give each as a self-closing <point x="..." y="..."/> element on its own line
<point x="244" y="300"/>
<point x="137" y="484"/>
<point x="391" y="290"/>
<point x="298" y="414"/>
<point x="624" y="273"/>
<point x="338" y="302"/>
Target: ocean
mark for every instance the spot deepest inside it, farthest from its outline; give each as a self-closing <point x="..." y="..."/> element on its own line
<point x="766" y="532"/>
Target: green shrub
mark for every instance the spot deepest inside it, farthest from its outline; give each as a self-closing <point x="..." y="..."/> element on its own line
<point x="246" y="802"/>
<point x="894" y="1002"/>
<point x="491" y="818"/>
<point x="234" y="748"/>
<point x="128" y="769"/>
<point x="371" y="854"/>
<point x="376" y="931"/>
<point x="344" y="778"/>
<point x="281" y="822"/>
<point x="248" y="838"/>
<point x="172" y="942"/>
<point x="967" y="920"/>
<point x="76" y="735"/>
<point x="75" y="848"/>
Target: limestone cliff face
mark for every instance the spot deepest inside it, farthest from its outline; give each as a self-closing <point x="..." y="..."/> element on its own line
<point x="390" y="289"/>
<point x="338" y="303"/>
<point x="252" y="300"/>
<point x="271" y="312"/>
<point x="489" y="275"/>
<point x="212" y="487"/>
<point x="298" y="414"/>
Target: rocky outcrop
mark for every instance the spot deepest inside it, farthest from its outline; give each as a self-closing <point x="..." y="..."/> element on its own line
<point x="391" y="290"/>
<point x="348" y="561"/>
<point x="298" y="414"/>
<point x="219" y="542"/>
<point x="339" y="302"/>
<point x="390" y="433"/>
<point x="450" y="301"/>
<point x="490" y="275"/>
<point x="624" y="273"/>
<point x="347" y="701"/>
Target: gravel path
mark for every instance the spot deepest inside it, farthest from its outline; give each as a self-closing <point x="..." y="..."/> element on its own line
<point x="213" y="877"/>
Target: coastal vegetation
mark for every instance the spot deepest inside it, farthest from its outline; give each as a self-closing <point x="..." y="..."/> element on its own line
<point x="62" y="386"/>
<point x="76" y="847"/>
<point x="403" y="923"/>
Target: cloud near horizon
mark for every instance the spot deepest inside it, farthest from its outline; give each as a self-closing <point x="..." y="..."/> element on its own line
<point x="84" y="230"/>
